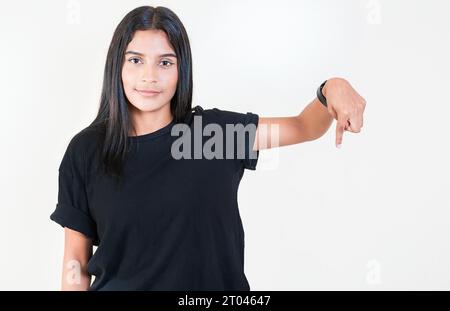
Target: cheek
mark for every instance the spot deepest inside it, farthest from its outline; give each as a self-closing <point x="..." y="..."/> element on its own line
<point x="127" y="79"/>
<point x="171" y="79"/>
<point x="129" y="84"/>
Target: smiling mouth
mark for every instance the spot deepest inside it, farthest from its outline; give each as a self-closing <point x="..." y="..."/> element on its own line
<point x="148" y="93"/>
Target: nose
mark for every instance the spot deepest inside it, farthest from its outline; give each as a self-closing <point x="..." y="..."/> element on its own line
<point x="149" y="73"/>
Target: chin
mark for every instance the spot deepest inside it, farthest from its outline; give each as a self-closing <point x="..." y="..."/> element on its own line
<point x="146" y="106"/>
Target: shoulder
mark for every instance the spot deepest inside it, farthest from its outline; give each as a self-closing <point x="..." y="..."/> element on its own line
<point x="224" y="116"/>
<point x="86" y="139"/>
<point x="82" y="146"/>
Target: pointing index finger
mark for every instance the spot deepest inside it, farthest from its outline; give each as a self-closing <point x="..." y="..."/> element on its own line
<point x="340" y="127"/>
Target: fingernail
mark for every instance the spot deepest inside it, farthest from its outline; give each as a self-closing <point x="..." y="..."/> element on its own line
<point x="339" y="146"/>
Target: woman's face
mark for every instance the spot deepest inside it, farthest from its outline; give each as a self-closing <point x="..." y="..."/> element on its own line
<point x="150" y="64"/>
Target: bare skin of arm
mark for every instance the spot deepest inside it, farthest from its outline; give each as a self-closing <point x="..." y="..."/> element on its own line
<point x="77" y="252"/>
<point x="344" y="104"/>
<point x="310" y="124"/>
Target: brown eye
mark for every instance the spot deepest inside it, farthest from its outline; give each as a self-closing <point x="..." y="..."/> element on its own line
<point x="166" y="61"/>
<point x="133" y="59"/>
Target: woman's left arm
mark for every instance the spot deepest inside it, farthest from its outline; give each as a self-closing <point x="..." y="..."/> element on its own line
<point x="343" y="104"/>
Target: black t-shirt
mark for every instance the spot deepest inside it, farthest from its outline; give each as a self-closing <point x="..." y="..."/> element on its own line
<point x="172" y="224"/>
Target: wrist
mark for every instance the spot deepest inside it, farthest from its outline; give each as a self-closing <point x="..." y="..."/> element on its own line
<point x="320" y="94"/>
<point x="324" y="89"/>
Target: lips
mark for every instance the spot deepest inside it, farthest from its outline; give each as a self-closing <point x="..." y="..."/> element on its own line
<point x="148" y="92"/>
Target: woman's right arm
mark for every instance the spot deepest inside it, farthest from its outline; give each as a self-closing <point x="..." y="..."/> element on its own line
<point x="77" y="252"/>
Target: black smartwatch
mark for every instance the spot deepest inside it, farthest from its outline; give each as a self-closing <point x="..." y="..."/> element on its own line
<point x="320" y="96"/>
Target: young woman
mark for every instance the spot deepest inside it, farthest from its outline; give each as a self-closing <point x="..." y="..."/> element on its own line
<point x="161" y="221"/>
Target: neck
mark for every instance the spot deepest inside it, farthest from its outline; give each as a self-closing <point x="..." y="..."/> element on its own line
<point x="146" y="122"/>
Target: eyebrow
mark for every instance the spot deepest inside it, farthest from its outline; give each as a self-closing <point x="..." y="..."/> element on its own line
<point x="142" y="54"/>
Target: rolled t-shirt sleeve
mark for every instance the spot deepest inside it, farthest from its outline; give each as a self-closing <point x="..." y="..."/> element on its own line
<point x="72" y="208"/>
<point x="248" y="122"/>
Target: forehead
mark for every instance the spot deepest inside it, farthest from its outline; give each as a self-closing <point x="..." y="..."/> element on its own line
<point x="150" y="42"/>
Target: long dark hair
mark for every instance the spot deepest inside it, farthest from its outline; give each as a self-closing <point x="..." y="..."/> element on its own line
<point x="113" y="117"/>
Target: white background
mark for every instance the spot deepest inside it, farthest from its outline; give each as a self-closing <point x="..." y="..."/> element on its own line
<point x="374" y="215"/>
